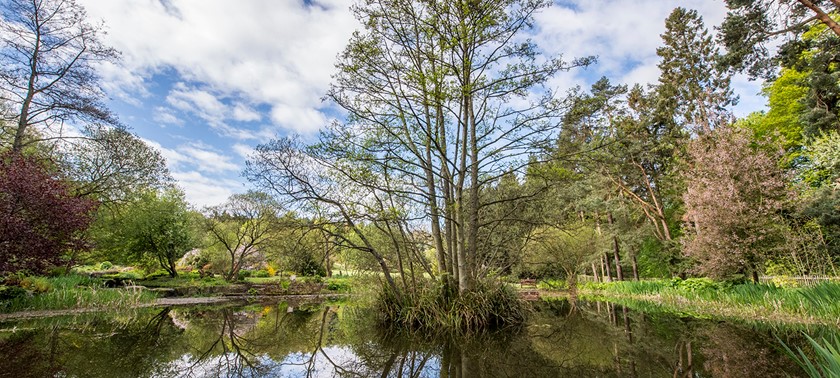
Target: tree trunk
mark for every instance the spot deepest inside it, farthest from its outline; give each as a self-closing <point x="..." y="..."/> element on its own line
<point x="635" y="267"/>
<point x="23" y="117"/>
<point x="607" y="268"/>
<point x="616" y="252"/>
<point x="595" y="273"/>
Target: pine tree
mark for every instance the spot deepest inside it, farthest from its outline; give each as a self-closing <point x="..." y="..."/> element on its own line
<point x="691" y="86"/>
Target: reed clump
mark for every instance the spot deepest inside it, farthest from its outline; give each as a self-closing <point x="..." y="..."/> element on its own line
<point x="825" y="361"/>
<point x="436" y="306"/>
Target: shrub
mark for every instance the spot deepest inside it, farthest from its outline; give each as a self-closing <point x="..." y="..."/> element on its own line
<point x="340" y="285"/>
<point x="105" y="265"/>
<point x="243" y="274"/>
<point x="11" y="292"/>
<point x="552" y="284"/>
<point x="262" y="273"/>
<point x="36" y="284"/>
<point x="271" y="270"/>
<point x="697" y="284"/>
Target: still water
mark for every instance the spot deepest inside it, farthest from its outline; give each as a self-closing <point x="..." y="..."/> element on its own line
<point x="595" y="339"/>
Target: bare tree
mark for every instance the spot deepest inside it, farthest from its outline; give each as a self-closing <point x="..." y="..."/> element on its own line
<point x="242" y="225"/>
<point x="47" y="67"/>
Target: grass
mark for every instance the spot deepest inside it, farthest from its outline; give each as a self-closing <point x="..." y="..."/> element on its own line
<point x="826" y="362"/>
<point x="815" y="304"/>
<point x="438" y="308"/>
<point x="183" y="280"/>
<point x="72" y="291"/>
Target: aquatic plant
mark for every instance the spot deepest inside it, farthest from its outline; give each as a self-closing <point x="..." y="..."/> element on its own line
<point x="437" y="307"/>
<point x="826" y="362"/>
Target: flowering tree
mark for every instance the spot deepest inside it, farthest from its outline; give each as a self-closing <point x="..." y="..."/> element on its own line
<point x="39" y="219"/>
<point x="734" y="193"/>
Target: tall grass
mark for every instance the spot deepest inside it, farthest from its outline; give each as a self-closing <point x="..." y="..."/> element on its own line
<point x="436" y="308"/>
<point x="75" y="291"/>
<point x="826" y="362"/>
<point x="820" y="302"/>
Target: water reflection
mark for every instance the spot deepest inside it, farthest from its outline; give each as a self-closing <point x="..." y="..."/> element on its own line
<point x="331" y="340"/>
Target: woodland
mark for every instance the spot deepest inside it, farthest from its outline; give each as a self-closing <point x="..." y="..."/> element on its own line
<point x="458" y="170"/>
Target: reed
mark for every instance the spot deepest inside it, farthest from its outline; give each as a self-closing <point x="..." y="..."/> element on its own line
<point x="436" y="307"/>
<point x="826" y="360"/>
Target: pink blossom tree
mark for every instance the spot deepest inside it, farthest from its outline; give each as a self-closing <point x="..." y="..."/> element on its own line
<point x="734" y="194"/>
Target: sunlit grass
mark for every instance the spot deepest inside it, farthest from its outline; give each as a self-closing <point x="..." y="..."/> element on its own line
<point x="76" y="291"/>
<point x="819" y="303"/>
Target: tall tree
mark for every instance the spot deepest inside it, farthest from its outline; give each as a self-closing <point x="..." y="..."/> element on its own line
<point x="113" y="165"/>
<point x="155" y="227"/>
<point x="750" y="25"/>
<point x="39" y="218"/>
<point x="439" y="102"/>
<point x="691" y="83"/>
<point x="734" y="196"/>
<point x="47" y="61"/>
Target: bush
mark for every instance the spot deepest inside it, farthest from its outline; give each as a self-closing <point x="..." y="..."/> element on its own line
<point x="36" y="284"/>
<point x="157" y="274"/>
<point x="105" y="265"/>
<point x="11" y="292"/>
<point x="340" y="285"/>
<point x="695" y="284"/>
<point x="243" y="274"/>
<point x="552" y="284"/>
<point x="262" y="273"/>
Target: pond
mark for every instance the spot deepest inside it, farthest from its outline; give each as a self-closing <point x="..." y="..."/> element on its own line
<point x="594" y="339"/>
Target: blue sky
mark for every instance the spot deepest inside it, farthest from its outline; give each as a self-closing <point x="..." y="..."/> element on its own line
<point x="205" y="81"/>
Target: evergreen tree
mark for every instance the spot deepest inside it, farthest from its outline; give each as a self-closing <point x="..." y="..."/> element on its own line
<point x="691" y="86"/>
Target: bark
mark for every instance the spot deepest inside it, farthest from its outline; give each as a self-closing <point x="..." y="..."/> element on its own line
<point x="616" y="252"/>
<point x="607" y="268"/>
<point x="823" y="16"/>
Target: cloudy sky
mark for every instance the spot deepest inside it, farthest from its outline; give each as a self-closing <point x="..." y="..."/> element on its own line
<point x="205" y="81"/>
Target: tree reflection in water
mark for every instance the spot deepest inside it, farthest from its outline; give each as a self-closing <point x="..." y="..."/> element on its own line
<point x="590" y="339"/>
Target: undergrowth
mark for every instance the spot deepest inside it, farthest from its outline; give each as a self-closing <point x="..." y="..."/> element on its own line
<point x="437" y="307"/>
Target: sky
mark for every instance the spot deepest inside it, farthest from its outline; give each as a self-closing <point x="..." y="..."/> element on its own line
<point x="206" y="81"/>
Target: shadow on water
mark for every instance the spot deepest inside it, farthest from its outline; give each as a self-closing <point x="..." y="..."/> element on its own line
<point x="326" y="340"/>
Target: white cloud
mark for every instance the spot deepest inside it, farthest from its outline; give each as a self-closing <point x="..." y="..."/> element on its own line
<point x="272" y="53"/>
<point x="208" y="161"/>
<point x="204" y="191"/>
<point x="199" y="102"/>
<point x="244" y="113"/>
<point x="243" y="150"/>
<point x="165" y="116"/>
<point x="197" y="171"/>
<point x="302" y="120"/>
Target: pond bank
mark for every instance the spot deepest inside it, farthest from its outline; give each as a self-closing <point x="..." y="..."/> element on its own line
<point x="703" y="298"/>
<point x="173" y="302"/>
